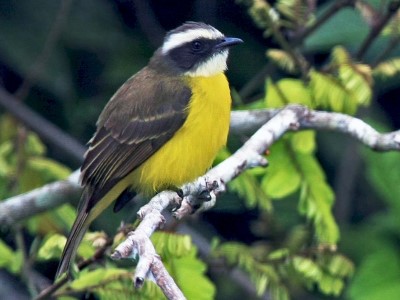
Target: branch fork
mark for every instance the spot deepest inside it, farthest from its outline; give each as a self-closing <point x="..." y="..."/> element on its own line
<point x="271" y="125"/>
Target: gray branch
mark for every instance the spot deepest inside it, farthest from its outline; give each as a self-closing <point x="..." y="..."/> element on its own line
<point x="54" y="194"/>
<point x="271" y="125"/>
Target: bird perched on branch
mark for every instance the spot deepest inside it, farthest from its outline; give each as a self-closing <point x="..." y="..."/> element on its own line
<point x="161" y="129"/>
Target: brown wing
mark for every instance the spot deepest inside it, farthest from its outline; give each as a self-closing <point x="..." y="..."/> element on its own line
<point x="143" y="115"/>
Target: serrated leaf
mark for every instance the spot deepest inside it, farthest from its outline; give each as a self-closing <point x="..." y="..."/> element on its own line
<point x="316" y="199"/>
<point x="340" y="266"/>
<point x="329" y="93"/>
<point x="282" y="59"/>
<point x="307" y="267"/>
<point x="296" y="11"/>
<point x="340" y="56"/>
<point x="355" y="82"/>
<point x="387" y="68"/>
<point x="279" y="254"/>
<point x="287" y="91"/>
<point x="248" y="187"/>
<point x="279" y="292"/>
<point x="172" y="244"/>
<point x="330" y="285"/>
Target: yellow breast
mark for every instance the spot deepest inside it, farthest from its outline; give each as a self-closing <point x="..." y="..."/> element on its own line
<point x="191" y="151"/>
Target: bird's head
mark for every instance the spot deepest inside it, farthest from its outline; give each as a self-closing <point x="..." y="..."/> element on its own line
<point x="195" y="49"/>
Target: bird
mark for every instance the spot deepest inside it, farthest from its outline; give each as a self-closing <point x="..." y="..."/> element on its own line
<point x="162" y="128"/>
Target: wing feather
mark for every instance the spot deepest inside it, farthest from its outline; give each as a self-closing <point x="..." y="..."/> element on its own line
<point x="141" y="117"/>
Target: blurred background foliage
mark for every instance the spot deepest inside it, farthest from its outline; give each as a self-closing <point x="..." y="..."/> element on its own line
<point x="320" y="222"/>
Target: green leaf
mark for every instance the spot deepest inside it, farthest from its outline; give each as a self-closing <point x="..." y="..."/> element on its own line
<point x="337" y="265"/>
<point x="52" y="247"/>
<point x="49" y="169"/>
<point x="279" y="254"/>
<point x="96" y="277"/>
<point x="282" y="177"/>
<point x="307" y="268"/>
<point x="304" y="141"/>
<point x="262" y="275"/>
<point x="282" y="59"/>
<point x="64" y="216"/>
<point x="340" y="56"/>
<point x="356" y="83"/>
<point x="316" y="199"/>
<point x="189" y="273"/>
<point x="287" y="91"/>
<point x="296" y="11"/>
<point x="34" y="145"/>
<point x="6" y="255"/>
<point x="283" y="182"/>
<point x="9" y="259"/>
<point x="330" y="93"/>
<point x="387" y="68"/>
<point x="279" y="292"/>
<point x="6" y="148"/>
<point x="330" y="285"/>
<point x="171" y="244"/>
<point x="378" y="276"/>
<point x="384" y="177"/>
<point x="247" y="186"/>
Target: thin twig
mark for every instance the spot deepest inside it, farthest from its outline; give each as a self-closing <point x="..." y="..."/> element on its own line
<point x="51" y="289"/>
<point x="377" y="28"/>
<point x="329" y="13"/>
<point x="259" y="78"/>
<point x="48" y="47"/>
<point x="394" y="42"/>
<point x="148" y="22"/>
<point x="51" y="134"/>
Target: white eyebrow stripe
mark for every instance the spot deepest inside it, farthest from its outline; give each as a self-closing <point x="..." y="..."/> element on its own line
<point x="180" y="38"/>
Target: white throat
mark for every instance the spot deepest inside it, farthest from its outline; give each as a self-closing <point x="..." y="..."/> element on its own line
<point x="212" y="66"/>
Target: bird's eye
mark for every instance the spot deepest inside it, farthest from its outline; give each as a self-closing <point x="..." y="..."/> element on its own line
<point x="197" y="46"/>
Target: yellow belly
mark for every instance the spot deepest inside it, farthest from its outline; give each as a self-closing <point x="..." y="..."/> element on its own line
<point x="192" y="149"/>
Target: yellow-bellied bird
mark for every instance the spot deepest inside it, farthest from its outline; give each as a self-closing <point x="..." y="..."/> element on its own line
<point x="161" y="129"/>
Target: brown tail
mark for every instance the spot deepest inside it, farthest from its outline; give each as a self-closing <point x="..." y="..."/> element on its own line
<point x="74" y="239"/>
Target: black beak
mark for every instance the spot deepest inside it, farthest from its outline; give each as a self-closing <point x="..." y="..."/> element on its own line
<point x="228" y="42"/>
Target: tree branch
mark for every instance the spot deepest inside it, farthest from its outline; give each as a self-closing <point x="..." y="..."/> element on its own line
<point x="47" y="131"/>
<point x="242" y="122"/>
<point x="39" y="200"/>
<point x="276" y="123"/>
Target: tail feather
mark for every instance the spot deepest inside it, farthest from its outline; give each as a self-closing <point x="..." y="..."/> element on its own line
<point x="75" y="237"/>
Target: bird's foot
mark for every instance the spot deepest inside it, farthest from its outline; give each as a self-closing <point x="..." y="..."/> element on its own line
<point x="199" y="196"/>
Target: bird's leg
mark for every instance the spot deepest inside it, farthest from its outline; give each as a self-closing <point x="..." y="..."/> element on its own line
<point x="199" y="196"/>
